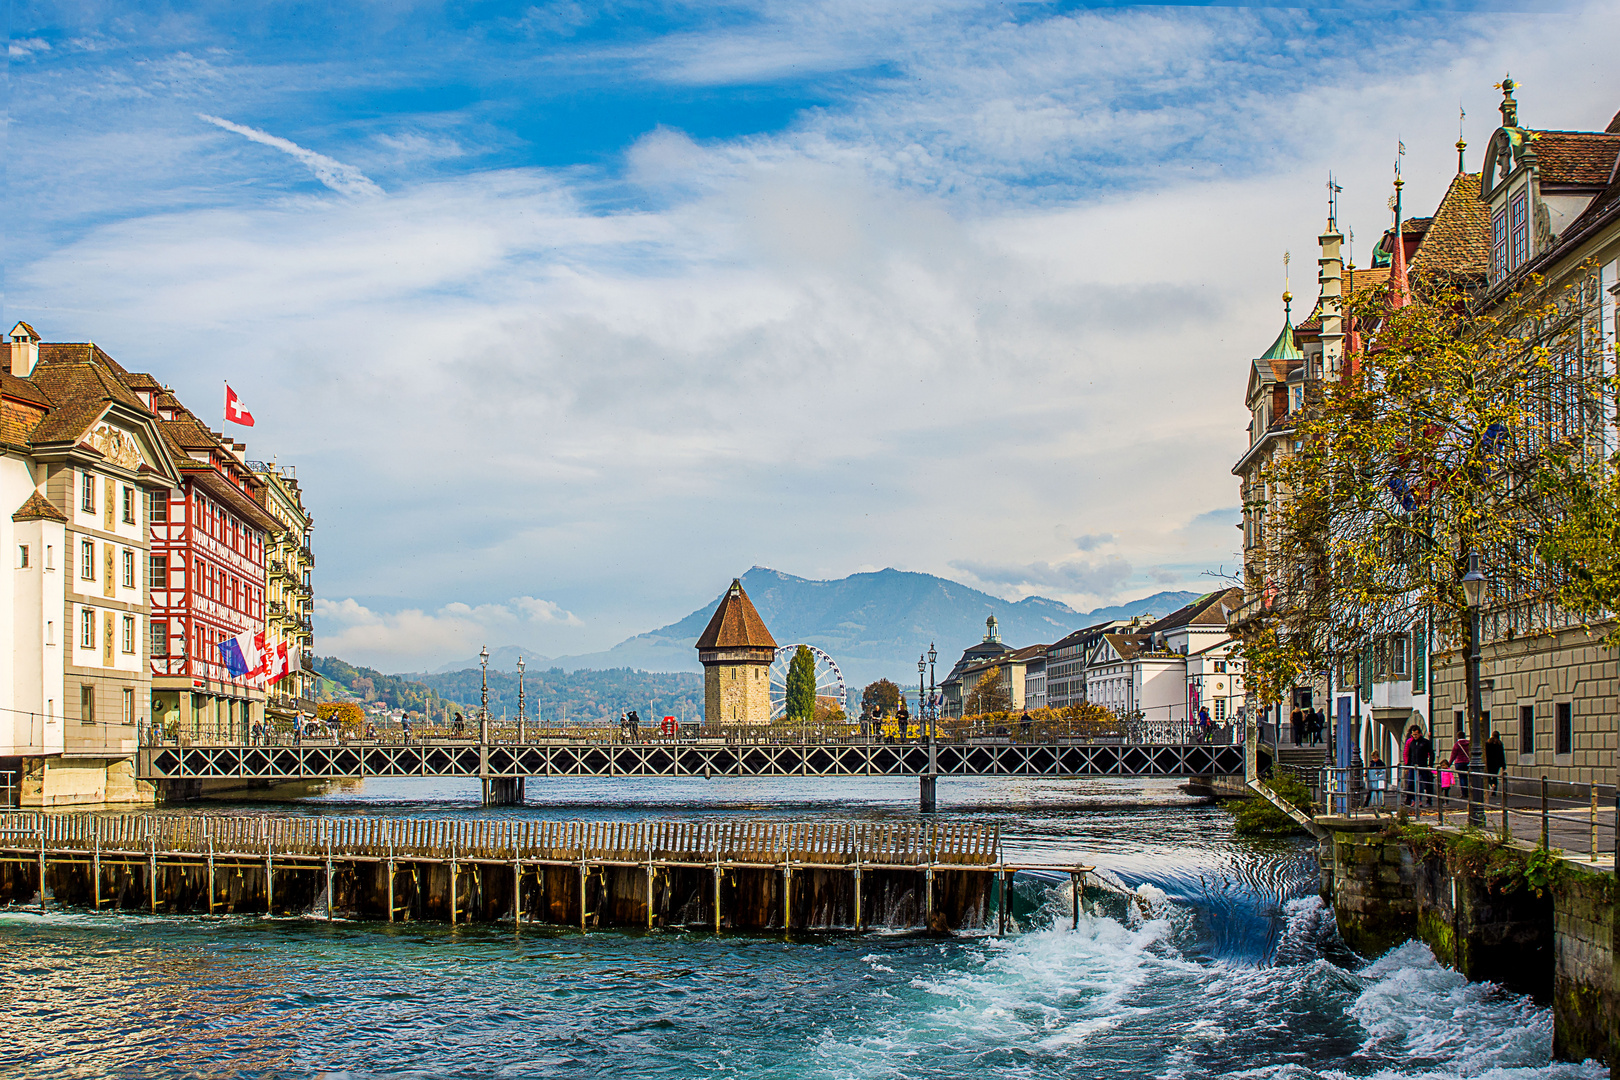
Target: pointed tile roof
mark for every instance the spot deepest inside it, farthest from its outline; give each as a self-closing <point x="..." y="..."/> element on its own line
<point x="736" y="625"/>
<point x="38" y="508"/>
<point x="1285" y="347"/>
<point x="1458" y="243"/>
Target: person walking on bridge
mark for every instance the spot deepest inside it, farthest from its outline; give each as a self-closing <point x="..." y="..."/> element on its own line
<point x="1495" y="761"/>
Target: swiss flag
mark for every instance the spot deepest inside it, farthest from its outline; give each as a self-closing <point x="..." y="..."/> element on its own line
<point x="235" y="412"/>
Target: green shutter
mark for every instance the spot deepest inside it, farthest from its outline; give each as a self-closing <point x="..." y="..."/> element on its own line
<point x="1420" y="660"/>
<point x="1366" y="674"/>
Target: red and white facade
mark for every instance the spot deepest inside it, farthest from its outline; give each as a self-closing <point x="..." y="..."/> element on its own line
<point x="207" y="582"/>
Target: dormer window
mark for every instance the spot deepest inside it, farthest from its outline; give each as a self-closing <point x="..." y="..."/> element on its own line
<point x="1519" y="228"/>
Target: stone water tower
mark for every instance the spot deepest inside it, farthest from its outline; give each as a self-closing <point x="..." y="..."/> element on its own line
<point x="736" y="652"/>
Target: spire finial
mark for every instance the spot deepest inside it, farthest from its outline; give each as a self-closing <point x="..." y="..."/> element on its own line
<point x="1333" y="203"/>
<point x="1509" y="107"/>
<point x="1462" y="115"/>
<point x="1288" y="297"/>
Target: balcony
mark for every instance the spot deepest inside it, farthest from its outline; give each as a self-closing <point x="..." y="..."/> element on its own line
<point x="306" y="661"/>
<point x="275" y="608"/>
<point x="1251" y="611"/>
<point x="308" y="555"/>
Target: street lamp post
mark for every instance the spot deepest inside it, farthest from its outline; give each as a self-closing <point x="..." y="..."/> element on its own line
<point x="933" y="695"/>
<point x="483" y="697"/>
<point x="1473" y="585"/>
<point x="922" y="669"/>
<point x="522" y="716"/>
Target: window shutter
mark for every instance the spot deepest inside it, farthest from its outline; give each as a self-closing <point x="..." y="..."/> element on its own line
<point x="1420" y="660"/>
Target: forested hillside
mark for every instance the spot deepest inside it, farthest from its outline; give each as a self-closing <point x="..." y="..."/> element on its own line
<point x="395" y="691"/>
<point x="579" y="696"/>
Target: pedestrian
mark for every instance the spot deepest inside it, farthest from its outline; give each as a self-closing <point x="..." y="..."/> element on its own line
<point x="1423" y="763"/>
<point x="1409" y="781"/>
<point x="1460" y="758"/>
<point x="460" y="726"/>
<point x="1495" y="760"/>
<point x="1296" y="725"/>
<point x="1377" y="779"/>
<point x="258" y="733"/>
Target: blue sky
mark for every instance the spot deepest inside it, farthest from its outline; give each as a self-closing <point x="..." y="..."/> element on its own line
<point x="567" y="313"/>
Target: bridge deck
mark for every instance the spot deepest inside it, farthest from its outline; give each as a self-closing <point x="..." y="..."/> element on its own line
<point x="673" y="758"/>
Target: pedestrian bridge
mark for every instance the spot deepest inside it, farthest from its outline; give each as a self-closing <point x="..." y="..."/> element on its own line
<point x="603" y="757"/>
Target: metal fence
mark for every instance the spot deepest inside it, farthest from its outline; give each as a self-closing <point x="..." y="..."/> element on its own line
<point x="1124" y="733"/>
<point x="1579" y="819"/>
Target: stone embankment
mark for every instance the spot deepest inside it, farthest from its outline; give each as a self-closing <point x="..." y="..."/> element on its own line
<point x="1504" y="911"/>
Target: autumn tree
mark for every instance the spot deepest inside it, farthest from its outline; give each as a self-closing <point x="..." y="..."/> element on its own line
<point x="801" y="685"/>
<point x="1458" y="427"/>
<point x="880" y="698"/>
<point x="343" y="716"/>
<point x="991" y="694"/>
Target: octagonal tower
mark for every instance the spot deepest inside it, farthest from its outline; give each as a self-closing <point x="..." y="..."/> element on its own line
<point x="736" y="653"/>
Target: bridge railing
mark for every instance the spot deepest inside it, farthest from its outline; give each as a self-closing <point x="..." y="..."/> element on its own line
<point x="840" y="843"/>
<point x="1123" y="732"/>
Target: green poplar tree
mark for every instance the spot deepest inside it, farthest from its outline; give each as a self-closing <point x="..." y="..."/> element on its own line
<point x="801" y="685"/>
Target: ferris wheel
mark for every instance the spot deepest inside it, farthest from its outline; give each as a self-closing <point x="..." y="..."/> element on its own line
<point x="829" y="680"/>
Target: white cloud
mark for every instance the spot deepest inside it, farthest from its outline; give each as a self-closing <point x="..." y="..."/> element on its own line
<point x="989" y="309"/>
<point x="22" y="48"/>
<point x="412" y="639"/>
<point x="341" y="178"/>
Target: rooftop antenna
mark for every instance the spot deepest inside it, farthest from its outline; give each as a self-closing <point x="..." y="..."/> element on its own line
<point x="1333" y="202"/>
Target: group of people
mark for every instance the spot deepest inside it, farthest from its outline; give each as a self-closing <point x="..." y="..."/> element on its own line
<point x="1423" y="774"/>
<point x="1306" y="726"/>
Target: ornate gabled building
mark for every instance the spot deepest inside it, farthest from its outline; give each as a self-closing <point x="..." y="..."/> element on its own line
<point x="208" y="577"/>
<point x="736" y="651"/>
<point x="83" y="463"/>
<point x="288" y="590"/>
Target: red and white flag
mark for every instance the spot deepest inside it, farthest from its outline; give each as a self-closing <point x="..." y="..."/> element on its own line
<point x="235" y="411"/>
<point x="280" y="664"/>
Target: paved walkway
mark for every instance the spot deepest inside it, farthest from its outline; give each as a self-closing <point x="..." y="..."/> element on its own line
<point x="1575" y="830"/>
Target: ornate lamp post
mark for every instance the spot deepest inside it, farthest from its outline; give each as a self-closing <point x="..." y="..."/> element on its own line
<point x="521" y="713"/>
<point x="933" y="694"/>
<point x="922" y="702"/>
<point x="1473" y="586"/>
<point x="483" y="697"/>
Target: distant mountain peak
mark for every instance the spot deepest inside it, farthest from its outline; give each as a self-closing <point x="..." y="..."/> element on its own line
<point x="873" y="623"/>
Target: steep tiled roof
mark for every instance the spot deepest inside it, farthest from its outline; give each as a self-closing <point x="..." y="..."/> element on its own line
<point x="736" y="625"/>
<point x="20" y="388"/>
<point x="1459" y="241"/>
<point x="79" y="387"/>
<point x="1207" y="610"/>
<point x="1584" y="158"/>
<point x="38" y="508"/>
<point x="1127" y="645"/>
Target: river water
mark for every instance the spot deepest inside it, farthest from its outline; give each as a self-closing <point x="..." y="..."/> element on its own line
<point x="1210" y="957"/>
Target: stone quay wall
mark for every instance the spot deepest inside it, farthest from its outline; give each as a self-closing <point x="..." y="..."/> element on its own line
<point x="1557" y="943"/>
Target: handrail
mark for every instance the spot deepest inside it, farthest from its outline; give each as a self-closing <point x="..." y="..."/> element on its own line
<point x="1582" y="817"/>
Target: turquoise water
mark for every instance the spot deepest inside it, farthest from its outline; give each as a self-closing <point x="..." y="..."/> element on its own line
<point x="1210" y="956"/>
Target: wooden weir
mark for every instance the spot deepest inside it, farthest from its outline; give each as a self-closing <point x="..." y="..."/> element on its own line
<point x="720" y="874"/>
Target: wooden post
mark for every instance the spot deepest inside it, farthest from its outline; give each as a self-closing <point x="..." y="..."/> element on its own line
<point x="517" y="892"/>
<point x="151" y="870"/>
<point x="649" y="891"/>
<point x="1005" y="899"/>
<point x="582" y="891"/>
<point x="857" y="896"/>
<point x="96" y="861"/>
<point x="329" y="877"/>
<point x="390" y="886"/>
<point x="42" y="862"/>
<point x="928" y="894"/>
<point x="269" y="877"/>
<point x="787" y="895"/>
<point x="1074" y="889"/>
<point x="455" y="871"/>
<point x="717" y="895"/>
<point x="210" y="837"/>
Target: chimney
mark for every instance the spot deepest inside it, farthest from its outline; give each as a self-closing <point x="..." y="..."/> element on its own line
<point x="24" y="350"/>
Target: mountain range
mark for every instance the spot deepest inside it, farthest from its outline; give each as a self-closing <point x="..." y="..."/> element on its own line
<point x="874" y="625"/>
